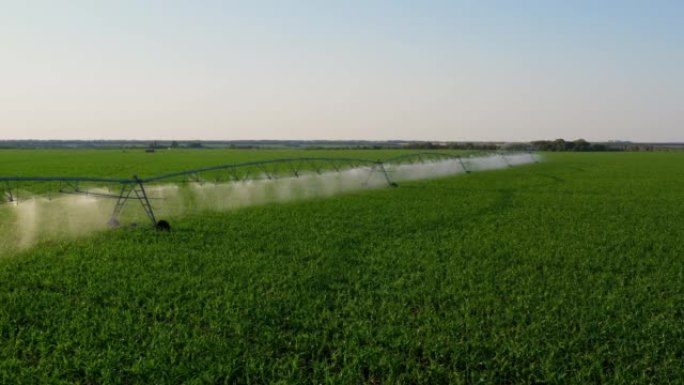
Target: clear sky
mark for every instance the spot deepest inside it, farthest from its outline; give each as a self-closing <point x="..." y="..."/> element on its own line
<point x="353" y="69"/>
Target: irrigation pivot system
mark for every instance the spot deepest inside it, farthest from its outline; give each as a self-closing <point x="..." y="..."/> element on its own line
<point x="17" y="188"/>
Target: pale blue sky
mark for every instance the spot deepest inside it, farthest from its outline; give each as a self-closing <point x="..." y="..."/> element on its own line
<point x="430" y="70"/>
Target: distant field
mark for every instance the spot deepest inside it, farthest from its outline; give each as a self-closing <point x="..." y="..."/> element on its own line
<point x="569" y="271"/>
<point x="126" y="163"/>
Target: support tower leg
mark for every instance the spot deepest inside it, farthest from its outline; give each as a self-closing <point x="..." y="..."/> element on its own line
<point x="142" y="196"/>
<point x="8" y="193"/>
<point x="505" y="160"/>
<point x="465" y="169"/>
<point x="125" y="193"/>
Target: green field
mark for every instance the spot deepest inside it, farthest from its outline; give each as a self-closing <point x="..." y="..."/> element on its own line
<point x="570" y="271"/>
<point x="126" y="163"/>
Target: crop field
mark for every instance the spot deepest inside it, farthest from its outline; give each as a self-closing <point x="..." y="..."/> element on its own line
<point x="567" y="271"/>
<point x="125" y="163"/>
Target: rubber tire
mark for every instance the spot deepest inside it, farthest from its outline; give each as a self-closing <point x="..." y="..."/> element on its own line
<point x="163" y="225"/>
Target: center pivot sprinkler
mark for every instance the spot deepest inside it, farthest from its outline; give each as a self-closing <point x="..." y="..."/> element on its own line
<point x="135" y="187"/>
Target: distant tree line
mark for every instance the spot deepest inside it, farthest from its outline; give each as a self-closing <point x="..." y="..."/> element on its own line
<point x="579" y="145"/>
<point x="151" y="146"/>
<point x="452" y="146"/>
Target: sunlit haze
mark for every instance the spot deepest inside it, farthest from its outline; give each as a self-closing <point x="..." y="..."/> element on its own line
<point x="419" y="70"/>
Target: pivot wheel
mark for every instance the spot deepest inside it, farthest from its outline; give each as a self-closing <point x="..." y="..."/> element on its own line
<point x="163" y="225"/>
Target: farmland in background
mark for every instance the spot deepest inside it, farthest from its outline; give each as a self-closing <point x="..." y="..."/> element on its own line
<point x="126" y="163"/>
<point x="570" y="271"/>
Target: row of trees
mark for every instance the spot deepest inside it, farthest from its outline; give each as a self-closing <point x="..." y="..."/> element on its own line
<point x="451" y="146"/>
<point x="539" y="145"/>
<point x="563" y="145"/>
